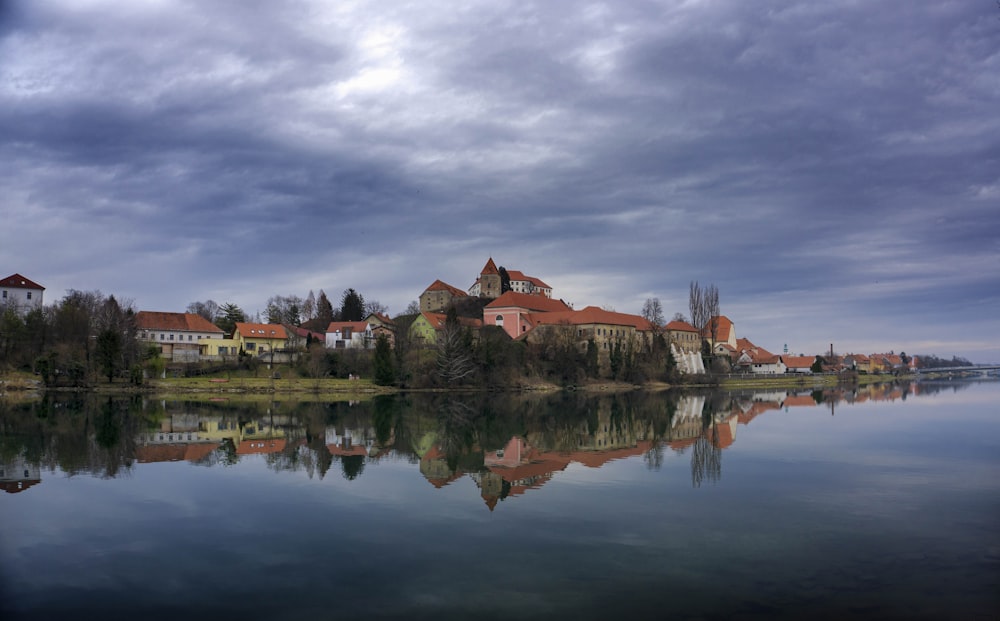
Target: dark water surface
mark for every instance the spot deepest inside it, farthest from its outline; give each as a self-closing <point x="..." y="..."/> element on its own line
<point x="878" y="504"/>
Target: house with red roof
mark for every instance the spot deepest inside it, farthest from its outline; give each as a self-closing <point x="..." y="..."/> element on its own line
<point x="350" y="335"/>
<point x="683" y="336"/>
<point x="21" y="294"/>
<point x="753" y="359"/>
<point x="182" y="337"/>
<point x="511" y="311"/>
<point x="720" y="331"/>
<point x="799" y="364"/>
<point x="605" y="327"/>
<point x="489" y="283"/>
<point x="427" y="326"/>
<point x="257" y="339"/>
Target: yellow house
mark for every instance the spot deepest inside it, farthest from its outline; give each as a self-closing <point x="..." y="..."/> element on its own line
<point x="259" y="338"/>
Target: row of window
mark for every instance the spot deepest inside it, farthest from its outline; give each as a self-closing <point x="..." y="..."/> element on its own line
<point x="5" y="294"/>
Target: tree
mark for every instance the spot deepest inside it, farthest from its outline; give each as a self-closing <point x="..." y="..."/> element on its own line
<point x="817" y="365"/>
<point x="413" y="308"/>
<point x="284" y="309"/>
<point x="352" y="306"/>
<point x="374" y="307"/>
<point x="229" y="315"/>
<point x="455" y="362"/>
<point x="679" y="317"/>
<point x="504" y="280"/>
<point x="652" y="311"/>
<point x="309" y="307"/>
<point x="109" y="349"/>
<point x="324" y="310"/>
<point x="207" y="309"/>
<point x="384" y="373"/>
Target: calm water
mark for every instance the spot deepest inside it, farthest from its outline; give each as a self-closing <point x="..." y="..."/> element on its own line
<point x="879" y="505"/>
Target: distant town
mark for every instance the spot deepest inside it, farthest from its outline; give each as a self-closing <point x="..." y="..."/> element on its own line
<point x="505" y="328"/>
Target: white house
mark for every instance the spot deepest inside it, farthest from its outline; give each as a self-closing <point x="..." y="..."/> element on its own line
<point x="21" y="294"/>
<point x="350" y="335"/>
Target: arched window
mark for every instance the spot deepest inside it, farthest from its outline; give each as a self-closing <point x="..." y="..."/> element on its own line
<point x="499" y="320"/>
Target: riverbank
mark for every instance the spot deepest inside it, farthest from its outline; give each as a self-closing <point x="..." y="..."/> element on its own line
<point x="25" y="385"/>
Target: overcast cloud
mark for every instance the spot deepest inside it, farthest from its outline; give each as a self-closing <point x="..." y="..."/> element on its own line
<point x="834" y="167"/>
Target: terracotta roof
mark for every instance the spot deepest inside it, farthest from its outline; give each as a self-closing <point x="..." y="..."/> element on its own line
<point x="521" y="276"/>
<point x="257" y="447"/>
<point x="193" y="452"/>
<point x="799" y="362"/>
<point x="512" y="299"/>
<point x="305" y="332"/>
<point x="592" y="315"/>
<point x="13" y="487"/>
<point x="261" y="330"/>
<point x="798" y="400"/>
<point x="680" y="326"/>
<point x="16" y="281"/>
<point x="355" y="326"/>
<point x="723" y="327"/>
<point x="437" y="320"/>
<point x="440" y="285"/>
<point x="490" y="267"/>
<point x="189" y="322"/>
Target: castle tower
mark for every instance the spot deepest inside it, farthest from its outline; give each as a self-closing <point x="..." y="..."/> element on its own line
<point x="489" y="281"/>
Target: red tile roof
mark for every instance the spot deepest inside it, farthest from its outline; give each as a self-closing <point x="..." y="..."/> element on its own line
<point x="440" y="285"/>
<point x="591" y="315"/>
<point x="680" y="326"/>
<point x="490" y="267"/>
<point x="516" y="275"/>
<point x="16" y="281"/>
<point x="799" y="362"/>
<point x="261" y="330"/>
<point x="437" y="320"/>
<point x="355" y="326"/>
<point x="178" y="322"/>
<point x="527" y="301"/>
<point x="723" y="328"/>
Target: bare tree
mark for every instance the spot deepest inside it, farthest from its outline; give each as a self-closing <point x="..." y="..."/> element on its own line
<point x="374" y="307"/>
<point x="652" y="311"/>
<point x="207" y="309"/>
<point x="455" y="360"/>
<point x="703" y="304"/>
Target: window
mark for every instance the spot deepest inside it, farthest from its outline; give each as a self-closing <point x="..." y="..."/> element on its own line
<point x="171" y="337"/>
<point x="189" y="337"/>
<point x="161" y="337"/>
<point x="5" y="294"/>
<point x="29" y="295"/>
<point x="251" y="346"/>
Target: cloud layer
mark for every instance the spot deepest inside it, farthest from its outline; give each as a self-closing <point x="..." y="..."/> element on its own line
<point x="833" y="167"/>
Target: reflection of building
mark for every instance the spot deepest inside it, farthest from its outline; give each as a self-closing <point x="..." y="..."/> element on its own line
<point x="18" y="475"/>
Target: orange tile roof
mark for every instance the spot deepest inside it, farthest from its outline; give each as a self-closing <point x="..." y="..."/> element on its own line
<point x="517" y="275"/>
<point x="723" y="327"/>
<point x="338" y="326"/>
<point x="261" y="330"/>
<point x="440" y="285"/>
<point x="437" y="320"/>
<point x="17" y="281"/>
<point x="798" y="400"/>
<point x="512" y="299"/>
<point x="591" y="315"/>
<point x="490" y="267"/>
<point x="255" y="447"/>
<point x="178" y="322"/>
<point x="680" y="326"/>
<point x="799" y="362"/>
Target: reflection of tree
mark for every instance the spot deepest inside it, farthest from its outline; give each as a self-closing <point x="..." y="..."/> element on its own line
<point x="352" y="466"/>
<point x="706" y="461"/>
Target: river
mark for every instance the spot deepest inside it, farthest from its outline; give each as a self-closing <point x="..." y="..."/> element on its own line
<point x="880" y="503"/>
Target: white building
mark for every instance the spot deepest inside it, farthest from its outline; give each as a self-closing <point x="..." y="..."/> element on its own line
<point x="21" y="294"/>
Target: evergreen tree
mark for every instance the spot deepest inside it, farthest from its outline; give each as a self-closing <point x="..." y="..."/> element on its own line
<point x="384" y="373"/>
<point x="324" y="310"/>
<point x="352" y="306"/>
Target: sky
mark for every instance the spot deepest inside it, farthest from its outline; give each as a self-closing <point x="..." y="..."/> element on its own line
<point x="832" y="167"/>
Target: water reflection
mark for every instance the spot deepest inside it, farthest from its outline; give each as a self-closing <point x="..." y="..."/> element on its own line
<point x="506" y="445"/>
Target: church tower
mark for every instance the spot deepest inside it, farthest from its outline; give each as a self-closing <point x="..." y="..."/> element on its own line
<point x="489" y="281"/>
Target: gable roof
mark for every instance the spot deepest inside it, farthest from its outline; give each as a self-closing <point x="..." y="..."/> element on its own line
<point x="527" y="301"/>
<point x="680" y="326"/>
<point x="591" y="315"/>
<point x="16" y="281"/>
<point x="437" y="321"/>
<point x="440" y="285"/>
<point x="723" y="328"/>
<point x="339" y="326"/>
<point x="799" y="362"/>
<point x="490" y="268"/>
<point x="177" y="322"/>
<point x="261" y="330"/>
<point x="521" y="276"/>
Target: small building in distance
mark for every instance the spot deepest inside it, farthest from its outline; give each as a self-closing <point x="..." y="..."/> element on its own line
<point x="21" y="294"/>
